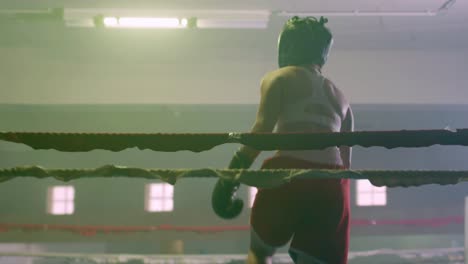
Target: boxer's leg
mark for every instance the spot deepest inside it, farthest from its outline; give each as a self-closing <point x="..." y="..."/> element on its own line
<point x="259" y="252"/>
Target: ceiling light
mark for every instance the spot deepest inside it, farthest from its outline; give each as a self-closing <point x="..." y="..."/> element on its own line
<point x="144" y="22"/>
<point x="149" y="18"/>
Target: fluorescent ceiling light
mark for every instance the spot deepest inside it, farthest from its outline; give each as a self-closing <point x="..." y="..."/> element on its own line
<point x="24" y="11"/>
<point x="144" y="22"/>
<point x="111" y="21"/>
<point x="151" y="18"/>
<point x="184" y="22"/>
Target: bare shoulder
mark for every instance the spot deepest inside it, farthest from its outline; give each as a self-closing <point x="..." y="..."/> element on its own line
<point x="281" y="74"/>
<point x="275" y="79"/>
<point x="284" y="76"/>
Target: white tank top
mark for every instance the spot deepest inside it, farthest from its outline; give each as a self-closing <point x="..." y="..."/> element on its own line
<point x="311" y="114"/>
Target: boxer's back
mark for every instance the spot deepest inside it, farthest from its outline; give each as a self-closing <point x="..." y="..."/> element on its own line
<point x="310" y="103"/>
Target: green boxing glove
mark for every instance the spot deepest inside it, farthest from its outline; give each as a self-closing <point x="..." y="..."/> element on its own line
<point x="223" y="199"/>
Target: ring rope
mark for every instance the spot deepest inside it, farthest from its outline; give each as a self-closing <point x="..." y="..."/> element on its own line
<point x="90" y="230"/>
<point x="265" y="178"/>
<point x="80" y="142"/>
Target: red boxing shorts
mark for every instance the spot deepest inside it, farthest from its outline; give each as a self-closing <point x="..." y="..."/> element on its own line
<point x="315" y="213"/>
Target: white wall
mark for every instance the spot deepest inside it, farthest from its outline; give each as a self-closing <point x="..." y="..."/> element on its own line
<point x="402" y="76"/>
<point x="374" y="76"/>
<point x="42" y="63"/>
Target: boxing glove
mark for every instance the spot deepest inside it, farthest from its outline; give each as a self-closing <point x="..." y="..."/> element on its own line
<point x="223" y="199"/>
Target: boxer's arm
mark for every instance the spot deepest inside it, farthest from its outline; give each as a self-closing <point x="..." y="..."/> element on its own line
<point x="268" y="112"/>
<point x="223" y="199"/>
<point x="347" y="126"/>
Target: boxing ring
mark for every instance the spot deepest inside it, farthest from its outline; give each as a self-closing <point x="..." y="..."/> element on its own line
<point x="455" y="255"/>
<point x="83" y="142"/>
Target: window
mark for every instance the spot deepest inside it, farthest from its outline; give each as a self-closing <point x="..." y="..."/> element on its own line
<point x="252" y="193"/>
<point x="159" y="197"/>
<point x="61" y="200"/>
<point x="370" y="195"/>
